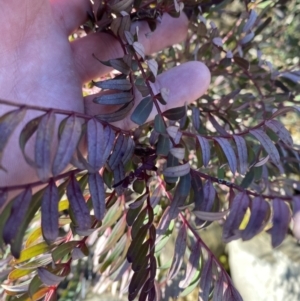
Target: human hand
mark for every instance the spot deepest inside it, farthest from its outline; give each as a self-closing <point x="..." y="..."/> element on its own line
<point x="39" y="66"/>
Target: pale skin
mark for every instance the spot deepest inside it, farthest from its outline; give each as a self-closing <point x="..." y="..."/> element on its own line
<point x="39" y="66"/>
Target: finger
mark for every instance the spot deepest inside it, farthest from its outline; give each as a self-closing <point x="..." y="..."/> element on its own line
<point x="71" y="13"/>
<point x="106" y="47"/>
<point x="186" y="83"/>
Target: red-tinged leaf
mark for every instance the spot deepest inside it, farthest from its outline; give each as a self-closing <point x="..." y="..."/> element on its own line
<point x="95" y="139"/>
<point x="97" y="190"/>
<point x="175" y="113"/>
<point x="219" y="289"/>
<point x="193" y="265"/>
<point x="268" y="145"/>
<point x="197" y="186"/>
<point x="229" y="153"/>
<point x="180" y="246"/>
<point x="242" y="153"/>
<point x="29" y="129"/>
<point x="43" y="146"/>
<point x="259" y="212"/>
<point x="142" y="111"/>
<point x="8" y="123"/>
<point x="210" y="216"/>
<point x="279" y="129"/>
<point x="17" y="214"/>
<point x="231" y="294"/>
<point x="114" y="84"/>
<point x="50" y="212"/>
<point x="206" y="280"/>
<point x="68" y="141"/>
<point x="280" y="220"/>
<point x="118" y="152"/>
<point x="244" y="64"/>
<point x="205" y="149"/>
<point x="237" y="212"/>
<point x="117" y="98"/>
<point x="116" y="115"/>
<point x="262" y="161"/>
<point x="78" y="205"/>
<point x="177" y="171"/>
<point x="220" y="129"/>
<point x="48" y="278"/>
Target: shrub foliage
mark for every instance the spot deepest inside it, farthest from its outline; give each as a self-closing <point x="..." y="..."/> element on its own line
<point x="227" y="157"/>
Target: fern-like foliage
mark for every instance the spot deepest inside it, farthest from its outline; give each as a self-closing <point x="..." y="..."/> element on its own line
<point x="225" y="157"/>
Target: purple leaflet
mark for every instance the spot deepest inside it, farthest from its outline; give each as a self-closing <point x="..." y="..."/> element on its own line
<point x="118" y="152"/>
<point x="197" y="187"/>
<point x="229" y="153"/>
<point x="193" y="265"/>
<point x="95" y="141"/>
<point x="231" y="294"/>
<point x="48" y="278"/>
<point x="206" y="280"/>
<point x="18" y="211"/>
<point x="281" y="219"/>
<point x="209" y="194"/>
<point x="68" y="141"/>
<point x="96" y="186"/>
<point x="164" y="222"/>
<point x="180" y="246"/>
<point x="78" y="205"/>
<point x="196" y="118"/>
<point x="238" y="209"/>
<point x="50" y="212"/>
<point x="296" y="216"/>
<point x="242" y="153"/>
<point x="137" y="281"/>
<point x="43" y="145"/>
<point x="29" y="129"/>
<point x="219" y="288"/>
<point x="260" y="210"/>
<point x="8" y="123"/>
<point x="268" y="145"/>
<point x="279" y="129"/>
<point x="217" y="126"/>
<point x="109" y="138"/>
<point x="129" y="150"/>
<point x="119" y="175"/>
<point x="205" y="148"/>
